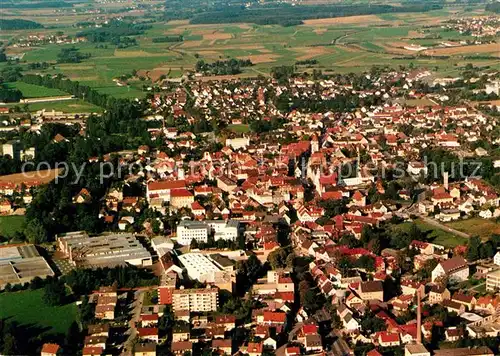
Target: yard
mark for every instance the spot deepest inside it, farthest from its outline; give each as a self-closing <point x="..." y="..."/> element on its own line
<point x="476" y="226"/>
<point x="28" y="308"/>
<point x="9" y="225"/>
<point x="434" y="235"/>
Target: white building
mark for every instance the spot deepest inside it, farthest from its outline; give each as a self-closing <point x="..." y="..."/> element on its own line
<point x="200" y="230"/>
<point x="198" y="266"/>
<point x="224" y="230"/>
<point x="188" y="230"/>
<point x="496" y="259"/>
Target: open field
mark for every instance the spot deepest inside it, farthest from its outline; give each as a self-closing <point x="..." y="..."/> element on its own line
<point x="239" y="128"/>
<point x="342" y="44"/>
<point x="9" y="225"/>
<point x="434" y="235"/>
<point x="41" y="177"/>
<point x="67" y="106"/>
<point x="35" y="91"/>
<point x="28" y="308"/>
<point x="476" y="226"/>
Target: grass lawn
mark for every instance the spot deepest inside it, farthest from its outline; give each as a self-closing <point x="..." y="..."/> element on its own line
<point x="35" y="91"/>
<point x="27" y="307"/>
<point x="476" y="226"/>
<point x="239" y="128"/>
<point x="434" y="235"/>
<point x="10" y="224"/>
<point x="68" y="106"/>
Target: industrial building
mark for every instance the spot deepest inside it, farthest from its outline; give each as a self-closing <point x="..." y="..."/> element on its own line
<point x="208" y="270"/>
<point x="106" y="250"/>
<point x="19" y="264"/>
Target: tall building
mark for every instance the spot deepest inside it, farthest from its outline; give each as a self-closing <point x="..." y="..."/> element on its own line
<point x="195" y="300"/>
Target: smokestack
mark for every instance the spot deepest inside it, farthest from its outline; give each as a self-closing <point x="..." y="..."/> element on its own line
<point x="445" y="180"/>
<point x="419" y="318"/>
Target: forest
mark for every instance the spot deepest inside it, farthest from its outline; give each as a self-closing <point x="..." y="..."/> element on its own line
<point x="287" y="15"/>
<point x="18" y="24"/>
<point x="116" y="32"/>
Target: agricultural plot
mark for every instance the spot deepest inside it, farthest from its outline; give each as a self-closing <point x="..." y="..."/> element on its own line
<point x="344" y="44"/>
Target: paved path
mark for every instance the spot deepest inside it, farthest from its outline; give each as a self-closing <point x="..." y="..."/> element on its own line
<point x="444" y="227"/>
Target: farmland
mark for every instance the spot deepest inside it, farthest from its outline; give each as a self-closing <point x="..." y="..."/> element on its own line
<point x="342" y="44"/>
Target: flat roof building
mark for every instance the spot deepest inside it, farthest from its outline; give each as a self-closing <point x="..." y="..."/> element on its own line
<point x="19" y="264"/>
<point x="195" y="300"/>
<point x="104" y="250"/>
<point x="493" y="281"/>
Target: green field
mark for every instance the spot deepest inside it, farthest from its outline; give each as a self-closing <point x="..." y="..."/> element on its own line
<point x="27" y="307"/>
<point x="239" y="128"/>
<point x="67" y="106"/>
<point x="476" y="226"/>
<point x="35" y="91"/>
<point x="434" y="235"/>
<point x="9" y="225"/>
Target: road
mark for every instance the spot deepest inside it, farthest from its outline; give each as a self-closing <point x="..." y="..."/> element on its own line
<point x="136" y="314"/>
<point x="444" y="227"/>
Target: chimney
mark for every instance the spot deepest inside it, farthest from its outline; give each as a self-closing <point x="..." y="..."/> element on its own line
<point x="419" y="318"/>
<point x="445" y="180"/>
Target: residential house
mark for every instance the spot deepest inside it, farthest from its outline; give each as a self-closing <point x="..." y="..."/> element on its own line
<point x="455" y="269"/>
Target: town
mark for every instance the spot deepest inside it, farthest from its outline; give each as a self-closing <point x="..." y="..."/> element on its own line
<point x="294" y="215"/>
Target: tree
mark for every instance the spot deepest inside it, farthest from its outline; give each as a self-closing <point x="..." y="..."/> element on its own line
<point x="72" y="339"/>
<point x="473" y="246"/>
<point x="35" y="232"/>
<point x="194" y="244"/>
<point x="278" y="258"/>
<point x="54" y="293"/>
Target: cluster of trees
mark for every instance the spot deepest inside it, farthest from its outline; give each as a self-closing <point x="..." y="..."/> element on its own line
<point x="282" y="73"/>
<point x="13" y="4"/>
<point x="261" y="126"/>
<point x="115" y="32"/>
<point x="306" y="62"/>
<point x="10" y="73"/>
<point x="38" y="65"/>
<point x="228" y="67"/>
<point x="71" y="55"/>
<point x="247" y="272"/>
<point x="8" y="95"/>
<point x="84" y="281"/>
<point x="477" y="249"/>
<point x="493" y="7"/>
<point x="17" y="24"/>
<point x="219" y="244"/>
<point x="288" y="15"/>
<point x="163" y="39"/>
